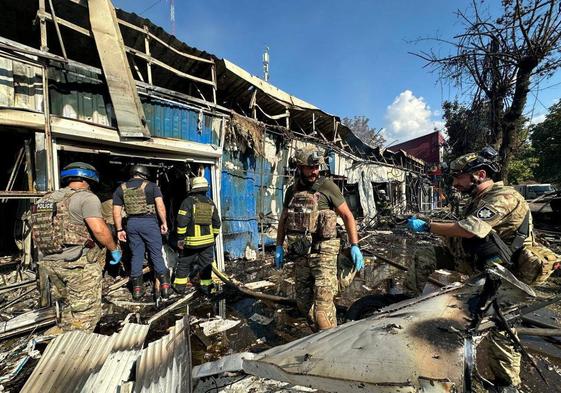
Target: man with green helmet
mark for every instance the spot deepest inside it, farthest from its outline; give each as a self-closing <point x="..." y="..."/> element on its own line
<point x="198" y="224"/>
<point x="69" y="230"/>
<point x="495" y="227"/>
<point x="309" y="216"/>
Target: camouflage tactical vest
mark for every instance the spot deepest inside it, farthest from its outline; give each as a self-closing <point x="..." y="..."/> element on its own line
<point x="135" y="200"/>
<point x="52" y="228"/>
<point x="303" y="212"/>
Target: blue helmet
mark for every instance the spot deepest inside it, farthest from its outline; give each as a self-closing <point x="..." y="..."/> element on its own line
<point x="79" y="170"/>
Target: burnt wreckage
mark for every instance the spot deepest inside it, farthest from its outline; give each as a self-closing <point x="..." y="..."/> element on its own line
<point x="83" y="81"/>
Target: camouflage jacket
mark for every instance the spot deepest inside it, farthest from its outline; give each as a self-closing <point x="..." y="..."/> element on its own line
<point x="500" y="208"/>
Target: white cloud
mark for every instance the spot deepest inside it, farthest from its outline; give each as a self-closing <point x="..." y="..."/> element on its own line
<point x="409" y="117"/>
<point x="537" y="119"/>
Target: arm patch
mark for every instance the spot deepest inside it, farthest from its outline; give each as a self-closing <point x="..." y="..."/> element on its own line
<point x="486" y="213"/>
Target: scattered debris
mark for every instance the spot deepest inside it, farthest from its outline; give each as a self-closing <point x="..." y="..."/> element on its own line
<point x="217" y="325"/>
<point x="260" y="319"/>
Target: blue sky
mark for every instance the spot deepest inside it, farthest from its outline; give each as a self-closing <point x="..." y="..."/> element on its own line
<point x="346" y="57"/>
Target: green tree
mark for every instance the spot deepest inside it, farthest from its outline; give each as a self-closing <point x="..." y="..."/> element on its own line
<point x="497" y="59"/>
<point x="546" y="141"/>
<point x="360" y="127"/>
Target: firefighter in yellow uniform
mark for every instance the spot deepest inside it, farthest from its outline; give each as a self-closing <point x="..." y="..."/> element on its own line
<point x="496" y="218"/>
<point x="198" y="224"/>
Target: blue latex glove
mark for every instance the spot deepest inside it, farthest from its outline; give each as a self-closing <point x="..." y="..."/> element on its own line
<point x="279" y="257"/>
<point x="116" y="256"/>
<point x="358" y="259"/>
<point x="417" y="225"/>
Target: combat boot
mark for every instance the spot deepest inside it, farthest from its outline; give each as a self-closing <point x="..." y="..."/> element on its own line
<point x="137" y="287"/>
<point x="165" y="286"/>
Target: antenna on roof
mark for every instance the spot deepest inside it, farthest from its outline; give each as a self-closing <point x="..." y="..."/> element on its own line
<point x="266" y="64"/>
<point x="172" y="15"/>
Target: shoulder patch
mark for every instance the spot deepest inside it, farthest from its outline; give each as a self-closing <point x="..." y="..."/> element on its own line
<point x="486" y="213"/>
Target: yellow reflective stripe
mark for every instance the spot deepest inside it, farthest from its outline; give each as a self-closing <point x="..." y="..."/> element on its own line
<point x="182" y="212"/>
<point x="181" y="281"/>
<point x="199" y="240"/>
<point x="206" y="282"/>
<point x="216" y="230"/>
<point x="181" y="230"/>
<point x="197" y="231"/>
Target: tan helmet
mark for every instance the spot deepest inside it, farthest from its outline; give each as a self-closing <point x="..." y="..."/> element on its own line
<point x="199" y="183"/>
<point x="308" y="156"/>
<point x="468" y="163"/>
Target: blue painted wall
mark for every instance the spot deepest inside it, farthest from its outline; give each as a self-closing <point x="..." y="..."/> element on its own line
<point x="239" y="208"/>
<point x="169" y="121"/>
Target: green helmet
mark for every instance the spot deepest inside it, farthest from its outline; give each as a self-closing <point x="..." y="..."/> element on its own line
<point x="471" y="162"/>
<point x="308" y="156"/>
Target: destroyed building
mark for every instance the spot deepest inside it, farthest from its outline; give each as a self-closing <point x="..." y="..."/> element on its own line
<point x="83" y="81"/>
<point x="121" y="90"/>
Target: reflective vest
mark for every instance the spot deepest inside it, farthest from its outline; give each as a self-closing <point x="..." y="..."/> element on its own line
<point x="135" y="200"/>
<point x="200" y="232"/>
<point x="52" y="228"/>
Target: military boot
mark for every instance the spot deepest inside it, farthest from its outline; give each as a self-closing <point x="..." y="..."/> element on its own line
<point x="137" y="287"/>
<point x="165" y="286"/>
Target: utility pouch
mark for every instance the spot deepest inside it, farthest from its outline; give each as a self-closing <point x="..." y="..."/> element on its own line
<point x="97" y="255"/>
<point x="327" y="224"/>
<point x="299" y="244"/>
<point x="535" y="264"/>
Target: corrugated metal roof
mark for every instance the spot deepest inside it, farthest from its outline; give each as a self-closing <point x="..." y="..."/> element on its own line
<point x="71" y="359"/>
<point x="165" y="365"/>
<point x="127" y="345"/>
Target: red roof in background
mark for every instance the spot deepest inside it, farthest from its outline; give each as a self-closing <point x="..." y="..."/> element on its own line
<point x="426" y="147"/>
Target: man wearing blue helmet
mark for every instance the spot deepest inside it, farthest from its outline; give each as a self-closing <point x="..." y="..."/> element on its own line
<point x="72" y="236"/>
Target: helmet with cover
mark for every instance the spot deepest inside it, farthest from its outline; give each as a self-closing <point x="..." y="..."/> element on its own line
<point x="79" y="171"/>
<point x="308" y="156"/>
<point x="198" y="184"/>
<point x="471" y="162"/>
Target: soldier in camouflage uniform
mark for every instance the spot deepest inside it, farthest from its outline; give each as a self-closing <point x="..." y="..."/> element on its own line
<point x="493" y="209"/>
<point x="309" y="215"/>
<point x="69" y="230"/>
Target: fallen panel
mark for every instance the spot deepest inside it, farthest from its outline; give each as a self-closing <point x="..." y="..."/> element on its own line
<point x="418" y="345"/>
<point x="122" y="88"/>
<point x="71" y="359"/>
<point x="27" y="322"/>
<point x="127" y="346"/>
<point x="165" y="365"/>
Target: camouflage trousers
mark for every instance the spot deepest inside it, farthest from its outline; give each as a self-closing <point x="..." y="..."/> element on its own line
<point x="77" y="285"/>
<point x="426" y="261"/>
<point x="316" y="284"/>
<point x="504" y="359"/>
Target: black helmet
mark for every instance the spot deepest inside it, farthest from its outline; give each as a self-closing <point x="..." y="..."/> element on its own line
<point x="79" y="170"/>
<point x="140" y="170"/>
<point x="468" y="163"/>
